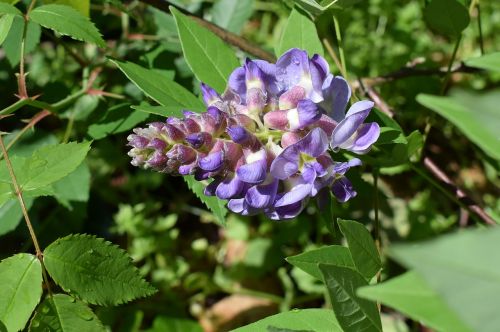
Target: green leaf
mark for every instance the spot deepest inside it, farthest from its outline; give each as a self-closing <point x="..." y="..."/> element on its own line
<point x="174" y="324"/>
<point x="412" y="296"/>
<point x="67" y="21"/>
<point x="300" y="32"/>
<point x="5" y="24"/>
<point x="6" y="8"/>
<point x="74" y="187"/>
<point x="476" y="115"/>
<point x="46" y="165"/>
<point x="315" y="8"/>
<point x="165" y="111"/>
<point x="353" y="313"/>
<point x="447" y="17"/>
<point x="317" y="320"/>
<point x="362" y="247"/>
<point x="216" y="205"/>
<point x="94" y="270"/>
<point x="163" y="90"/>
<point x="62" y="313"/>
<point x="210" y="59"/>
<point x="21" y="280"/>
<point x="463" y="269"/>
<point x="488" y="61"/>
<point x="82" y="6"/>
<point x="11" y="214"/>
<point x="232" y="15"/>
<point x="117" y="119"/>
<point x="12" y="44"/>
<point x="334" y="255"/>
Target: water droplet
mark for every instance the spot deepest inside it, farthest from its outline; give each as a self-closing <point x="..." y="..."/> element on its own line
<point x="35" y="323"/>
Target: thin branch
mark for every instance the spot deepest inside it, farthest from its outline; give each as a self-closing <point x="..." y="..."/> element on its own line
<point x="448" y="70"/>
<point x="225" y="35"/>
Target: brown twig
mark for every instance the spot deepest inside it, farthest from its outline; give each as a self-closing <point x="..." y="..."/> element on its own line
<point x="225" y="35"/>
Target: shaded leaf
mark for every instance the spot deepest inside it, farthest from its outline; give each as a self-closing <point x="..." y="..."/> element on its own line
<point x="62" y="313"/>
<point x="232" y="15"/>
<point x="412" y="296"/>
<point x="216" y="205"/>
<point x="174" y="324"/>
<point x="74" y="187"/>
<point x="21" y="280"/>
<point x="334" y="255"/>
<point x="5" y="24"/>
<point x="94" y="270"/>
<point x="12" y="44"/>
<point x="11" y="214"/>
<point x="67" y="21"/>
<point x="210" y="59"/>
<point x="488" y="61"/>
<point x="118" y="119"/>
<point x="447" y="17"/>
<point x="6" y="8"/>
<point x="353" y="313"/>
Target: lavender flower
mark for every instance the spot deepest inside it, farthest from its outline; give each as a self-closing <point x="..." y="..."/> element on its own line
<point x="267" y="143"/>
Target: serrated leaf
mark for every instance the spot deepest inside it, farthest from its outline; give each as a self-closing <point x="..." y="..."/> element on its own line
<point x="62" y="313"/>
<point x="210" y="59"/>
<point x="5" y="24"/>
<point x="6" y="8"/>
<point x="82" y="6"/>
<point x="412" y="296"/>
<point x="216" y="205"/>
<point x="232" y="15"/>
<point x="163" y="90"/>
<point x="463" y="268"/>
<point x="12" y="44"/>
<point x="476" y="115"/>
<point x="447" y="17"/>
<point x="117" y="119"/>
<point x="362" y="247"/>
<point x="11" y="214"/>
<point x="317" y="320"/>
<point x="67" y="21"/>
<point x="21" y="280"/>
<point x="300" y="32"/>
<point x="333" y="255"/>
<point x="489" y="61"/>
<point x="353" y="313"/>
<point x="94" y="270"/>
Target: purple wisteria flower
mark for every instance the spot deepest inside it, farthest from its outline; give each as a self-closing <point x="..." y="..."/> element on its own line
<point x="267" y="144"/>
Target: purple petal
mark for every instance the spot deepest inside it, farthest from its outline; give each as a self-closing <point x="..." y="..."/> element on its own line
<point x="308" y="173"/>
<point x="315" y="143"/>
<point x="262" y="196"/>
<point x="212" y="162"/>
<point x="254" y="77"/>
<point x="347" y="127"/>
<point x="290" y="98"/>
<point x="137" y="141"/>
<point x="157" y="144"/>
<point x="286" y="212"/>
<point x="291" y="67"/>
<point x="276" y="120"/>
<point x="342" y="168"/>
<point x="240" y="206"/>
<point x="304" y="115"/>
<point x="197" y="140"/>
<point x="210" y="96"/>
<point x="230" y="187"/>
<point x="158" y="160"/>
<point x="296" y="194"/>
<point x="319" y="71"/>
<point x="254" y="172"/>
<point x="286" y="163"/>
<point x="337" y="95"/>
<point x="212" y="186"/>
<point x="367" y="134"/>
<point x="236" y="82"/>
<point x="343" y="190"/>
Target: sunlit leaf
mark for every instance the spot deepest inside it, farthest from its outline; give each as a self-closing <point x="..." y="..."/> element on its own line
<point x="489" y="61"/>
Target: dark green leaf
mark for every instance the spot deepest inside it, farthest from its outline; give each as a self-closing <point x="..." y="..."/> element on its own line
<point x="5" y="24"/>
<point x="12" y="44"/>
<point x="317" y="320"/>
<point x="334" y="255"/>
<point x="67" y="21"/>
<point x="163" y="90"/>
<point x="412" y="296"/>
<point x="174" y="324"/>
<point x="94" y="270"/>
<point x="362" y="247"/>
<point x="210" y="59"/>
<point x="62" y="313"/>
<point x="300" y="32"/>
<point x="118" y="119"/>
<point x="463" y="269"/>
<point x="447" y="17"/>
<point x="21" y="288"/>
<point x="352" y="312"/>
<point x="74" y="187"/>
<point x="232" y="15"/>
<point x="216" y="205"/>
<point x="488" y="61"/>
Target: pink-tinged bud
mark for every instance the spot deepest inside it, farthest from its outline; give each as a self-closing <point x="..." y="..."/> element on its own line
<point x="173" y="133"/>
<point x="243" y="121"/>
<point x="290" y="138"/>
<point x="158" y="161"/>
<point x="276" y="120"/>
<point x="200" y="140"/>
<point x="291" y="98"/>
<point x="183" y="154"/>
<point x="327" y="124"/>
<point x="157" y="144"/>
<point x="137" y="141"/>
<point x="191" y="125"/>
<point x="233" y="153"/>
<point x="256" y="101"/>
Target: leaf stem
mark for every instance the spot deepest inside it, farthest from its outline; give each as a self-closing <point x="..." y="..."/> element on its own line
<point x="338" y="35"/>
<point x="479" y="25"/>
<point x="448" y="71"/>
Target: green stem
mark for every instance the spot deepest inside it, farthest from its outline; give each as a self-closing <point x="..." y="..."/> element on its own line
<point x="448" y="71"/>
<point x="479" y="25"/>
<point x="338" y="34"/>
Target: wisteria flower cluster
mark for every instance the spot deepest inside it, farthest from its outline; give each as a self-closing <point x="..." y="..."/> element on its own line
<point x="266" y="142"/>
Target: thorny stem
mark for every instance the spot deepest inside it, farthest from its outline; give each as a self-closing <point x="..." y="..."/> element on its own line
<point x="19" y="194"/>
<point x="21" y="78"/>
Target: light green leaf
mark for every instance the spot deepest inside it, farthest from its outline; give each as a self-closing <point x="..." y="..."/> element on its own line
<point x="476" y="115"/>
<point x="216" y="205"/>
<point x="21" y="280"/>
<point x="5" y="24"/>
<point x="174" y="324"/>
<point x="163" y="90"/>
<point x="317" y="9"/>
<point x="300" y="32"/>
<point x="12" y="44"/>
<point x="464" y="270"/>
<point x="74" y="187"/>
<point x="488" y="61"/>
<point x="334" y="255"/>
<point x="165" y="111"/>
<point x="94" y="270"/>
<point x="67" y="21"/>
<point x="83" y="6"/>
<point x="362" y="247"/>
<point x="11" y="214"/>
<point x="232" y="15"/>
<point x="353" y="313"/>
<point x="6" y="8"/>
<point x="117" y="119"/>
<point x="317" y="320"/>
<point x="447" y="17"/>
<point x="62" y="313"/>
<point x="412" y="296"/>
<point x="210" y="59"/>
